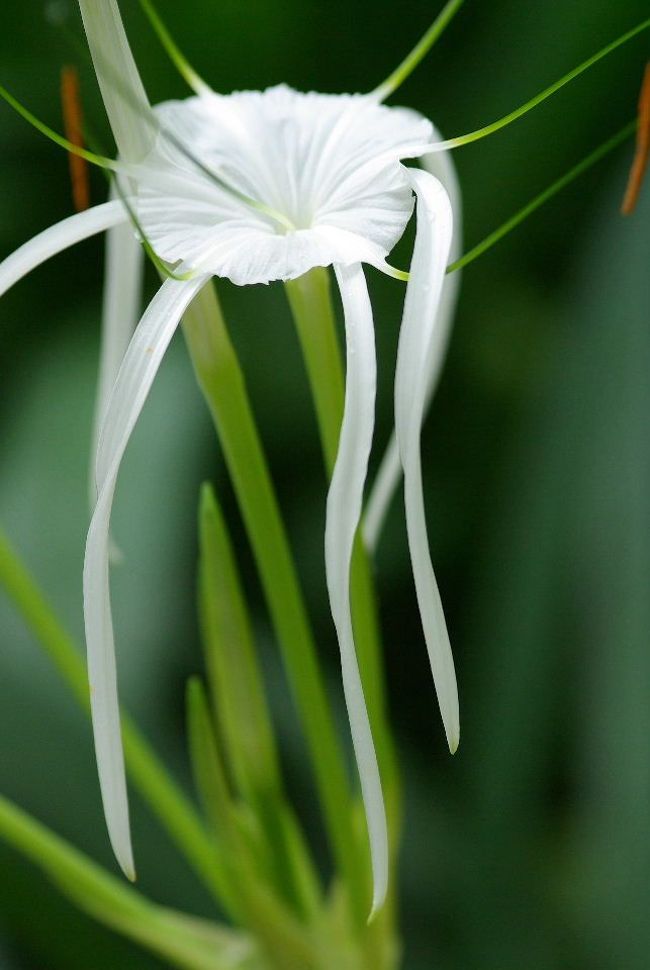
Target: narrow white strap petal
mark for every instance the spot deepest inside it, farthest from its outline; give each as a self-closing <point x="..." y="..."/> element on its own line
<point x="134" y="380"/>
<point x="390" y="468"/>
<point x="343" y="512"/>
<point x="121" y="310"/>
<point x="58" y="237"/>
<point x="124" y="96"/>
<point x="423" y="293"/>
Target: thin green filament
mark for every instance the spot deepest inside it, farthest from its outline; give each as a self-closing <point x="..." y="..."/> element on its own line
<point x="420" y="50"/>
<point x="60" y="140"/>
<point x="527" y="210"/>
<point x="158" y="263"/>
<point x="179" y="60"/>
<point x="116" y="166"/>
<point x="543" y="197"/>
<point x="546" y="93"/>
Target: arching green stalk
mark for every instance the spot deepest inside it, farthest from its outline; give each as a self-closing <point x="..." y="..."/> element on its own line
<point x="515" y="220"/>
<point x="179" y="60"/>
<point x="118" y="167"/>
<point x="60" y="140"/>
<point x="421" y="49"/>
<point x="539" y="200"/>
<point x="543" y="95"/>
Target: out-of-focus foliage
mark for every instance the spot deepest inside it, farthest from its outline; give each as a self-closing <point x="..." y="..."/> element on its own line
<point x="531" y="848"/>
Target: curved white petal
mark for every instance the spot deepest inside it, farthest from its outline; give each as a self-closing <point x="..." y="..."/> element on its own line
<point x="136" y="375"/>
<point x="417" y="335"/>
<point x="311" y="157"/>
<point x="127" y="106"/>
<point x="343" y="511"/>
<point x="56" y="238"/>
<point x="121" y="310"/>
<point x="390" y="468"/>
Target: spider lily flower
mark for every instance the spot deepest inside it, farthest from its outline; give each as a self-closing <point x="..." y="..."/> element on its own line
<point x="258" y="187"/>
<point x="302" y="180"/>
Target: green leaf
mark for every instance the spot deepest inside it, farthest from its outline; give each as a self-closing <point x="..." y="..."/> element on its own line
<point x="243" y="849"/>
<point x="234" y="677"/>
<point x="159" y="790"/>
<point x="188" y="943"/>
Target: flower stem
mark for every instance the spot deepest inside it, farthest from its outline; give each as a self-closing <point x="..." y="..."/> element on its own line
<point x="165" y="799"/>
<point x="222" y="383"/>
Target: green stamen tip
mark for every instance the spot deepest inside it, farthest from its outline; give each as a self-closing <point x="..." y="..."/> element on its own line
<point x="174" y="53"/>
<point x="420" y="50"/>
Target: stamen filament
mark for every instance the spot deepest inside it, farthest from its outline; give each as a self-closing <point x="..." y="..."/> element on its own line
<point x="116" y="166"/>
<point x="543" y="197"/>
<point x="420" y="50"/>
<point x="159" y="264"/>
<point x="539" y="98"/>
<point x="539" y="200"/>
<point x="174" y="53"/>
<point x="58" y="139"/>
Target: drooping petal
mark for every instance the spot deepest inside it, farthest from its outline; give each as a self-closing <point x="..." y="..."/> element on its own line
<point x="127" y="106"/>
<point x="417" y="334"/>
<point x="343" y="512"/>
<point x="58" y="237"/>
<point x="136" y="375"/>
<point x="122" y="295"/>
<point x="390" y="468"/>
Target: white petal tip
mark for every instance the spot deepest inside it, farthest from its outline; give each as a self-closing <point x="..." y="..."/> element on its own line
<point x="128" y="867"/>
<point x="452" y="731"/>
<point x="377" y="905"/>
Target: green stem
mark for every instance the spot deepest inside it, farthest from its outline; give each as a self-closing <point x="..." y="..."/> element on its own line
<point x="222" y="383"/>
<point x="165" y="799"/>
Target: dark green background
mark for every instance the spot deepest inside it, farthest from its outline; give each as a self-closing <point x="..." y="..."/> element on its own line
<point x="531" y="848"/>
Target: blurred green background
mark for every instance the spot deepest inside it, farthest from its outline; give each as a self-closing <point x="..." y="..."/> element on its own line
<point x="531" y="848"/>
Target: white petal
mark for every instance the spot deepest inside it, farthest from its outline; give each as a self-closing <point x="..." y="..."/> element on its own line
<point x="417" y="334"/>
<point x="54" y="240"/>
<point x="122" y="295"/>
<point x="310" y="157"/>
<point x="127" y="106"/>
<point x="131" y="388"/>
<point x="390" y="468"/>
<point x="343" y="511"/>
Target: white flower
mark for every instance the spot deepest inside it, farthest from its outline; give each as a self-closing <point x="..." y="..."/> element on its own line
<point x="256" y="187"/>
